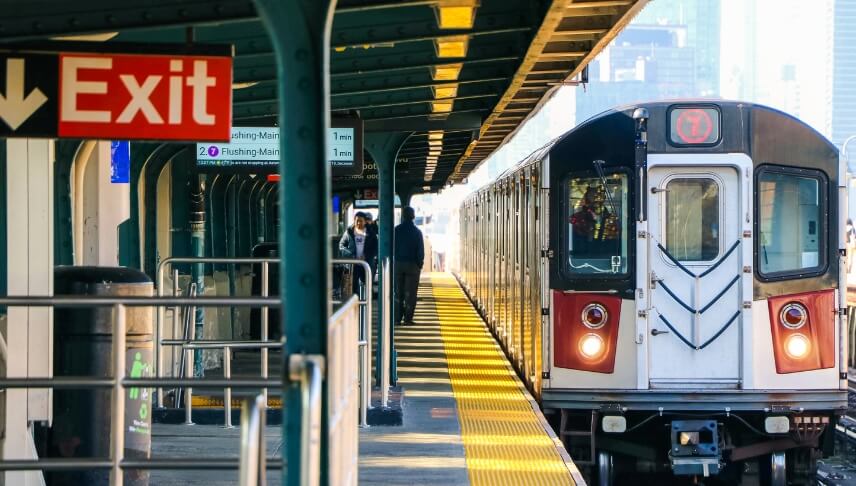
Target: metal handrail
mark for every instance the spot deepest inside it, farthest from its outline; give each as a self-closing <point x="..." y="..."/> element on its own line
<point x="136" y="301"/>
<point x="307" y="369"/>
<point x="215" y="344"/>
<point x="252" y="467"/>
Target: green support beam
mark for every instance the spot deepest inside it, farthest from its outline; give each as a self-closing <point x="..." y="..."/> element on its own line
<point x="300" y="34"/>
<point x="384" y="148"/>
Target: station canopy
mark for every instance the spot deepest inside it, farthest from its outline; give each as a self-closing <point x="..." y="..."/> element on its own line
<point x="461" y="75"/>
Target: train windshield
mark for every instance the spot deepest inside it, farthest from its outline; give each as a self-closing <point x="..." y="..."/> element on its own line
<point x="597" y="224"/>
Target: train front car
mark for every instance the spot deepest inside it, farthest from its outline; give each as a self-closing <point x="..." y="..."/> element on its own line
<point x="694" y="310"/>
<point x="672" y="270"/>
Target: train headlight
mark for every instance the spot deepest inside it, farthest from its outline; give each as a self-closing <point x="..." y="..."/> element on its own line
<point x="793" y="315"/>
<point x="797" y="346"/>
<point x="591" y="346"/>
<point x="594" y="316"/>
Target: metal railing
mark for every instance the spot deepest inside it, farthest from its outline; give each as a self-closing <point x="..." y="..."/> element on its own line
<point x="158" y="329"/>
<point x="226" y="346"/>
<point x="308" y="369"/>
<point x="343" y="394"/>
<point x="253" y="455"/>
<point x="365" y="337"/>
<point x="116" y="463"/>
<point x="189" y="346"/>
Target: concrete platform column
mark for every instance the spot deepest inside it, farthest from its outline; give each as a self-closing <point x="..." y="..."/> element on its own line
<point x="29" y="206"/>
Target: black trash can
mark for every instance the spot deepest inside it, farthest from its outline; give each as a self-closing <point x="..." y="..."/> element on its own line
<point x="265" y="250"/>
<point x="83" y="346"/>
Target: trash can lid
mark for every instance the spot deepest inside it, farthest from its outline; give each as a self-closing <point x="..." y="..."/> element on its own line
<point x="98" y="275"/>
<point x="266" y="249"/>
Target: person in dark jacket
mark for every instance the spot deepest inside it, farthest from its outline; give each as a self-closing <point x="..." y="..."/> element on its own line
<point x="409" y="256"/>
<point x="372" y="242"/>
<point x="358" y="243"/>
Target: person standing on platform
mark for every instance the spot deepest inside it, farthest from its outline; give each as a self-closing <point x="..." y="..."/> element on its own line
<point x="358" y="243"/>
<point x="409" y="257"/>
<point x="372" y="242"/>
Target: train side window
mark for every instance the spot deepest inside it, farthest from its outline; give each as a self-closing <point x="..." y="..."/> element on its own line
<point x="692" y="219"/>
<point x="597" y="224"/>
<point x="789" y="211"/>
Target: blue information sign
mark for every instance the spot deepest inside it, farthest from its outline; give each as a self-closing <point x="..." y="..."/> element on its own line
<point x="120" y="162"/>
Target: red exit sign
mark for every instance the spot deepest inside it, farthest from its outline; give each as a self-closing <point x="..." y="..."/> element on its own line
<point x="154" y="97"/>
<point x="161" y="95"/>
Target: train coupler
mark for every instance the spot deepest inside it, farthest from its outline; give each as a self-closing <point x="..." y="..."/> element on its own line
<point x="695" y="448"/>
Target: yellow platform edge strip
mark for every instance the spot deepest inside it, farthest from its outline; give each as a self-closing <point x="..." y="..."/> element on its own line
<point x="506" y="438"/>
<point x="202" y="401"/>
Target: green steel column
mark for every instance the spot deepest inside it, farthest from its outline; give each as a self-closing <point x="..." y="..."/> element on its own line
<point x="197" y="272"/>
<point x="405" y="194"/>
<point x="300" y="34"/>
<point x="384" y="148"/>
<point x="230" y="210"/>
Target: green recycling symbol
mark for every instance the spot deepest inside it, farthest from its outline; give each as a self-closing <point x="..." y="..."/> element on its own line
<point x="144" y="410"/>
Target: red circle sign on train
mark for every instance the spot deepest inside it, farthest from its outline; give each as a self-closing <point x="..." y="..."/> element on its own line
<point x="694" y="126"/>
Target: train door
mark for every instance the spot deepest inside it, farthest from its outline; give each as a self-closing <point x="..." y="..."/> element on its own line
<point x="523" y="232"/>
<point x="695" y="270"/>
<point x="503" y="250"/>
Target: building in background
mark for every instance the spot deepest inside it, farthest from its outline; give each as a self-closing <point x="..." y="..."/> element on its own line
<point x="671" y="50"/>
<point x="844" y="73"/>
<point x="766" y="59"/>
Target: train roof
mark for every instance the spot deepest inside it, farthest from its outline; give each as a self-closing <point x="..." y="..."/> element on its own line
<point x="659" y="106"/>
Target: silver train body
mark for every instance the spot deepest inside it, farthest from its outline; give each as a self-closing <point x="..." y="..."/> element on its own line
<point x="667" y="280"/>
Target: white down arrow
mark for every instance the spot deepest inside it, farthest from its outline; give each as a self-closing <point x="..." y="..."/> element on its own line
<point x="14" y="107"/>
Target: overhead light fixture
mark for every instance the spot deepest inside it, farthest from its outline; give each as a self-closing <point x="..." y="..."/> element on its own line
<point x="100" y="37"/>
<point x="435" y="135"/>
<point x="441" y="106"/>
<point x="452" y="46"/>
<point x="435" y="143"/>
<point x="248" y="84"/>
<point x="446" y="91"/>
<point x="446" y="72"/>
<point x="434" y="153"/>
<point x="456" y="17"/>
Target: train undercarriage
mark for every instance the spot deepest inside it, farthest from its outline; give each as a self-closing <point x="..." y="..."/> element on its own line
<point x="691" y="446"/>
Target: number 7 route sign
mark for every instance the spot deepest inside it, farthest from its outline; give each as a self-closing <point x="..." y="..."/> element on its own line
<point x="116" y="96"/>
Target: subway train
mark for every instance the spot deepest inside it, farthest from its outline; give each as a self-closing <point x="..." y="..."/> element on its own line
<point x="667" y="280"/>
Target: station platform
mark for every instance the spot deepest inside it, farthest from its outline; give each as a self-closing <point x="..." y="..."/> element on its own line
<point x="468" y="420"/>
<point x="467" y="417"/>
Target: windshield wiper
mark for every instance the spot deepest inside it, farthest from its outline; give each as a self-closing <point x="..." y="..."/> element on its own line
<point x="598" y="167"/>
